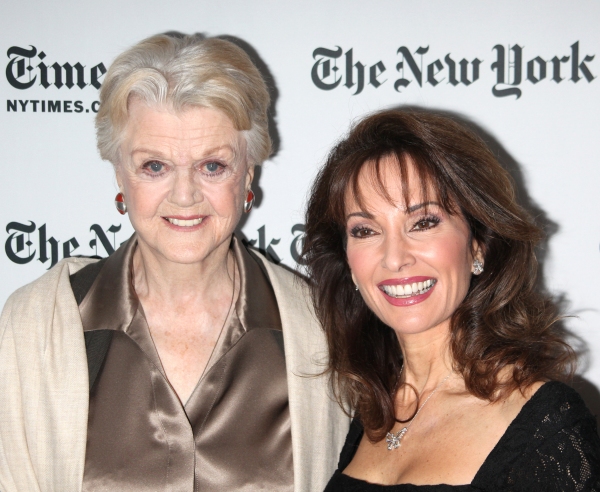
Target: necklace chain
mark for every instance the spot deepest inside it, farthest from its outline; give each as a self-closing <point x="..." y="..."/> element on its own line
<point x="395" y="440"/>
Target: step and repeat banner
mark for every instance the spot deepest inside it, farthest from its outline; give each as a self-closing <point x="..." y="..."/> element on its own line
<point x="523" y="74"/>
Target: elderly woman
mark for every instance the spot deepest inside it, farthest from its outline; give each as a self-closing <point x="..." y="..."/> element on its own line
<point x="423" y="276"/>
<point x="179" y="362"/>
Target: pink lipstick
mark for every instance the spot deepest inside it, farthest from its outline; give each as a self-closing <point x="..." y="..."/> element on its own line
<point x="407" y="291"/>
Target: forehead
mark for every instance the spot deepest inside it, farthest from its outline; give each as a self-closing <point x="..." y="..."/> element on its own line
<point x="194" y="128"/>
<point x="388" y="180"/>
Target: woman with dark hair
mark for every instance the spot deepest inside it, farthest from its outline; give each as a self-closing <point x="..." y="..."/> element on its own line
<point x="423" y="275"/>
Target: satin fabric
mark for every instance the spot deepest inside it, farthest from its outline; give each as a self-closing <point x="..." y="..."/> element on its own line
<point x="234" y="431"/>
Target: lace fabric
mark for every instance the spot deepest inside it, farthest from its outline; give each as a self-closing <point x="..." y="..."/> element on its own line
<point x="552" y="445"/>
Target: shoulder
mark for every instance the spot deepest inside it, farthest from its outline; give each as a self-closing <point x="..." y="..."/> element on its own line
<point x="50" y="284"/>
<point x="554" y="410"/>
<point x="351" y="444"/>
<point x="554" y="406"/>
<point x="281" y="277"/>
<point x="31" y="308"/>
<point x="41" y="327"/>
<point x="553" y="441"/>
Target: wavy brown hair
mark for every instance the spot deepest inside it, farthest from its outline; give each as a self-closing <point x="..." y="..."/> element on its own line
<point x="503" y="322"/>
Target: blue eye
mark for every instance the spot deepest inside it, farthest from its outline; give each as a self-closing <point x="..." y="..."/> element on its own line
<point x="213" y="167"/>
<point x="154" y="166"/>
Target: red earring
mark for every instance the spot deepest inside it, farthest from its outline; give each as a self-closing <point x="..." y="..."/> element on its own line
<point x="249" y="201"/>
<point x="120" y="203"/>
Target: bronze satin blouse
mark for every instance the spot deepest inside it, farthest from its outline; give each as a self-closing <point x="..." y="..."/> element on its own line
<point x="234" y="431"/>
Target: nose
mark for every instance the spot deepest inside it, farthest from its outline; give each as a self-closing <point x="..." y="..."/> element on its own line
<point x="397" y="253"/>
<point x="185" y="191"/>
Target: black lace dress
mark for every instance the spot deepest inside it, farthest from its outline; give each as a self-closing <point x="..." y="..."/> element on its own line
<point x="552" y="445"/>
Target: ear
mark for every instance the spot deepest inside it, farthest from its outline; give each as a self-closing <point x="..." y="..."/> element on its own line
<point x="477" y="252"/>
<point x="119" y="180"/>
<point x="249" y="176"/>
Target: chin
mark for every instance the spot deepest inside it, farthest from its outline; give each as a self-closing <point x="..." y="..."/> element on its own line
<point x="184" y="248"/>
<point x="186" y="256"/>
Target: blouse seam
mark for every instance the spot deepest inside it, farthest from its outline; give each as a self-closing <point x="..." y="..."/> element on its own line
<point x="163" y="429"/>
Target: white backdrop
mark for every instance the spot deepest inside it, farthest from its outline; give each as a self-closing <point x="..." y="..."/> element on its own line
<point x="541" y="116"/>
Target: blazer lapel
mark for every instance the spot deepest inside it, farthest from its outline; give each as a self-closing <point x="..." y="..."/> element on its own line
<point x="319" y="426"/>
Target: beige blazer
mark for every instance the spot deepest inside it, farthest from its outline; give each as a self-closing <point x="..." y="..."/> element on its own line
<point x="44" y="392"/>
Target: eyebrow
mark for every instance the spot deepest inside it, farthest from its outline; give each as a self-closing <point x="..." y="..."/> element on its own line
<point x="364" y="215"/>
<point x="158" y="153"/>
<point x="413" y="208"/>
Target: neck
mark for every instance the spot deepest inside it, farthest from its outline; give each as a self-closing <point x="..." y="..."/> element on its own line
<point x="171" y="283"/>
<point x="427" y="358"/>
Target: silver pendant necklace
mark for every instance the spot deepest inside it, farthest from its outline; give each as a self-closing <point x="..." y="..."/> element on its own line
<point x="395" y="440"/>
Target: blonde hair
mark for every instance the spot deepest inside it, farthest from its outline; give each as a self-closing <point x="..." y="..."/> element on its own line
<point x="183" y="72"/>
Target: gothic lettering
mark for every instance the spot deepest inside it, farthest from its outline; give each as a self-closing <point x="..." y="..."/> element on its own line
<point x="556" y="66"/>
<point x="511" y="68"/>
<point x="20" y="248"/>
<point x="103" y="238"/>
<point x="262" y="246"/>
<point x="375" y="71"/>
<point x="412" y="64"/>
<point x="44" y="250"/>
<point x="464" y="71"/>
<point x="536" y="70"/>
<point x="360" y="73"/>
<point x="502" y="66"/>
<point x="97" y="72"/>
<point x="69" y="246"/>
<point x="318" y="77"/>
<point x="16" y="243"/>
<point x="297" y="243"/>
<point x="16" y="67"/>
<point x="21" y="73"/>
<point x="432" y="70"/>
<point x="577" y="67"/>
<point x="451" y="70"/>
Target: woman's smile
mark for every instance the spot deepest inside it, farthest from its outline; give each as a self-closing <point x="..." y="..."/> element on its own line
<point x="413" y="256"/>
<point x="186" y="223"/>
<point x="407" y="291"/>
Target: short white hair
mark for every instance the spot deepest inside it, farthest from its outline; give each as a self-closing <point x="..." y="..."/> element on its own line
<point x="183" y="72"/>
